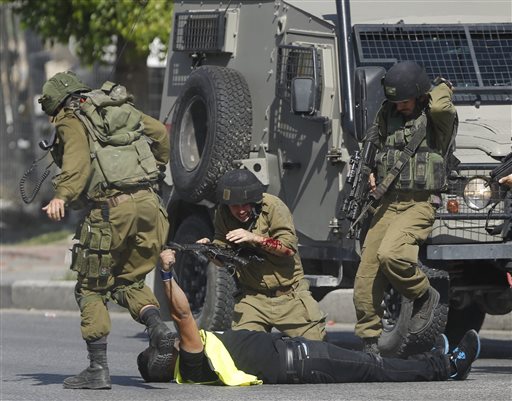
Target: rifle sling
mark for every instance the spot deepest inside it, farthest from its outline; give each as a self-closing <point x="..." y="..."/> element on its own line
<point x="420" y="131"/>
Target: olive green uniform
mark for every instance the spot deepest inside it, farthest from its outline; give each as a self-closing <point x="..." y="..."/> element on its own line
<point x="122" y="234"/>
<point x="401" y="223"/>
<point x="274" y="292"/>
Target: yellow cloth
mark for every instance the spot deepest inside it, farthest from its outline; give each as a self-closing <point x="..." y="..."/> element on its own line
<point x="221" y="362"/>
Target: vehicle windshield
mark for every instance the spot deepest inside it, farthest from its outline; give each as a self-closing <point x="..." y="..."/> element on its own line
<point x="476" y="58"/>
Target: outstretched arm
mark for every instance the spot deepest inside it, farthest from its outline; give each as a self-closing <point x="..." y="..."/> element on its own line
<point x="179" y="307"/>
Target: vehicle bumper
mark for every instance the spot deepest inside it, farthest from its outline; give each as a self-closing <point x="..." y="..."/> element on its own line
<point x="470" y="251"/>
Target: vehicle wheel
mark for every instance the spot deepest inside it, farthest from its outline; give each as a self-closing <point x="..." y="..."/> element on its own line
<point x="462" y="320"/>
<point x="209" y="288"/>
<point x="396" y="340"/>
<point x="211" y="127"/>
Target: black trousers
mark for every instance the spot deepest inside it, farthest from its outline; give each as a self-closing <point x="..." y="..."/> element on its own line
<point x="305" y="361"/>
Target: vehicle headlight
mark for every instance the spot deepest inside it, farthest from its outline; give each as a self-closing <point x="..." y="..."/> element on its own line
<point x="477" y="193"/>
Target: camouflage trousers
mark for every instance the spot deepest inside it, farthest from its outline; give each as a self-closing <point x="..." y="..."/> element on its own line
<point x="390" y="256"/>
<point x="295" y="314"/>
<point x="138" y="230"/>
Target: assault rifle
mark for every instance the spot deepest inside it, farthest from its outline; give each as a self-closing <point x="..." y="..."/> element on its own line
<point x="358" y="201"/>
<point x="227" y="256"/>
<point x="504" y="169"/>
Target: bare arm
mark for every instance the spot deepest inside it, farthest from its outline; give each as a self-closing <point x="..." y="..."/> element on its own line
<point x="179" y="307"/>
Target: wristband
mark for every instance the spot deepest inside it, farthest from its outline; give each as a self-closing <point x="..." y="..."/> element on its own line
<point x="165" y="275"/>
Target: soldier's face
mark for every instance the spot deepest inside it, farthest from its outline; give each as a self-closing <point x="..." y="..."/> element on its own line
<point x="406" y="108"/>
<point x="241" y="212"/>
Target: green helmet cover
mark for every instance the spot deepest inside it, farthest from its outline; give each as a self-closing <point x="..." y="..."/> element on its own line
<point x="404" y="81"/>
<point x="238" y="187"/>
<point x="58" y="88"/>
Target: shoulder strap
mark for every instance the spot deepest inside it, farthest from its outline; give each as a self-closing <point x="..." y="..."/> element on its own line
<point x="419" y="129"/>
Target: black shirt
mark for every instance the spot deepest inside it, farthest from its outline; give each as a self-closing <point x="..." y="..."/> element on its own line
<point x="253" y="352"/>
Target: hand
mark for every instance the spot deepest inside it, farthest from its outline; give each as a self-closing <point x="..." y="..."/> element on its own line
<point x="372" y="182"/>
<point x="240" y="235"/>
<point x="507" y="180"/>
<point x="55" y="210"/>
<point x="203" y="241"/>
<point x="167" y="259"/>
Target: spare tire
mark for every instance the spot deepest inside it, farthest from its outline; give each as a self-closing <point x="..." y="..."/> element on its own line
<point x="211" y="127"/>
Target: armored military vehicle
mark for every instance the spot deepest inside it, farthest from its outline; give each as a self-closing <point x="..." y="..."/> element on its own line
<point x="287" y="89"/>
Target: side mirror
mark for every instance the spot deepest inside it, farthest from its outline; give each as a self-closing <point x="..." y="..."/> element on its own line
<point x="368" y="97"/>
<point x="303" y="95"/>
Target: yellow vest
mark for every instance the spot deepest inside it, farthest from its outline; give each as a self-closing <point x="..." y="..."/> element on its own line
<point x="221" y="362"/>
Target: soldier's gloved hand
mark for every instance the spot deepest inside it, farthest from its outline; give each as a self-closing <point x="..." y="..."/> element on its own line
<point x="441" y="80"/>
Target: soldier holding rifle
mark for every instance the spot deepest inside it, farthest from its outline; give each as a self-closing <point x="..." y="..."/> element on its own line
<point x="413" y="132"/>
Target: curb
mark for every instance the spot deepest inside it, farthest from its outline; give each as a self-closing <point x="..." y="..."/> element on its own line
<point x="59" y="295"/>
<point x="42" y="294"/>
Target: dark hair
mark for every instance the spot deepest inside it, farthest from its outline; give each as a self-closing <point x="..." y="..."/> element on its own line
<point x="156" y="367"/>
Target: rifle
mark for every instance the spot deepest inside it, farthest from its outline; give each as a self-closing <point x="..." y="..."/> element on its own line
<point x="228" y="256"/>
<point x="358" y="202"/>
<point x="504" y="169"/>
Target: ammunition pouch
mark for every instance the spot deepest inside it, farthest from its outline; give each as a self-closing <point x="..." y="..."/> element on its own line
<point x="91" y="255"/>
<point x="426" y="170"/>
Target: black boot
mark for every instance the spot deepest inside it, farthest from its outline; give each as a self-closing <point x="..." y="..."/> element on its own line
<point x="96" y="376"/>
<point x="423" y="310"/>
<point x="160" y="336"/>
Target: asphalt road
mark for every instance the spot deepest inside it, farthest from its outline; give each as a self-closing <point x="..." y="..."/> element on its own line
<point x="40" y="349"/>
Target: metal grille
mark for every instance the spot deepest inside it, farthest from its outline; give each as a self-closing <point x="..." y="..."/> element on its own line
<point x="196" y="31"/>
<point x="468" y="225"/>
<point x="473" y="57"/>
<point x="297" y="61"/>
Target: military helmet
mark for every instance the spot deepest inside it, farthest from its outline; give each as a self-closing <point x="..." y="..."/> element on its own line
<point x="404" y="81"/>
<point x="238" y="187"/>
<point x="58" y="88"/>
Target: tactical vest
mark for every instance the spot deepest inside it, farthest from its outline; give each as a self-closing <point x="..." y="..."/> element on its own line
<point x="221" y="362"/>
<point x="121" y="157"/>
<point x="425" y="171"/>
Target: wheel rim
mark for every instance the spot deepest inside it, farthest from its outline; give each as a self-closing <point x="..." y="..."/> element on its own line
<point x="392" y="306"/>
<point x="192" y="135"/>
<point x="191" y="272"/>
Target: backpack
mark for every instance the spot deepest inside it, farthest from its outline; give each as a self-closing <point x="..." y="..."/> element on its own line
<point x="121" y="156"/>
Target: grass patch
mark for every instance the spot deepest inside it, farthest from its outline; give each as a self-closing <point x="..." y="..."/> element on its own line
<point x="47" y="238"/>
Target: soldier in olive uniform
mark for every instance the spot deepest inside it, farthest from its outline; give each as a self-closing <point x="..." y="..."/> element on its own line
<point x="407" y="211"/>
<point x="122" y="234"/>
<point x="274" y="292"/>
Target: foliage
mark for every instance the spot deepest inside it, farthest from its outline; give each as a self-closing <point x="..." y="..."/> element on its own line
<point x="96" y="24"/>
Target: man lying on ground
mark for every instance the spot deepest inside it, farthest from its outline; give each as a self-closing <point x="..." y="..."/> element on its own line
<point x="246" y="357"/>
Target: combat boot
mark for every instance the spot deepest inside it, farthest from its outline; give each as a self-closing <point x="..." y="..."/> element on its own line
<point x="160" y="336"/>
<point x="96" y="376"/>
<point x="423" y="310"/>
<point x="371" y="345"/>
